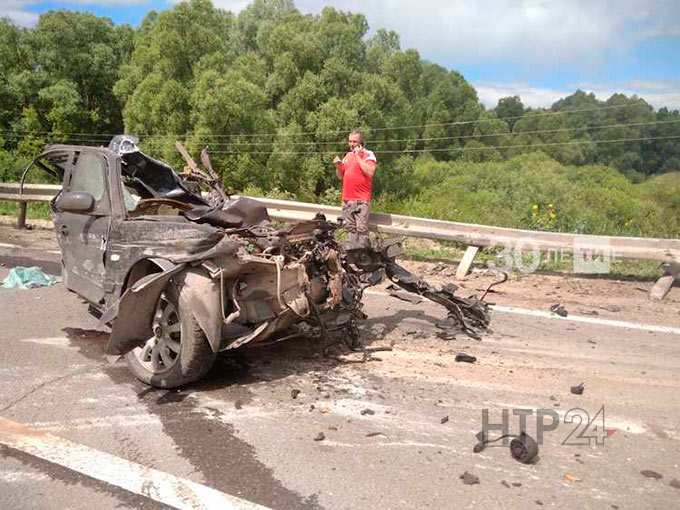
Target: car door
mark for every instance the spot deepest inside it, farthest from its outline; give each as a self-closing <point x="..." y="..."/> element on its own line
<point x="82" y="236"/>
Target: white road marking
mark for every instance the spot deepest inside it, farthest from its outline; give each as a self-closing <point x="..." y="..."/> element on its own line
<point x="19" y="247"/>
<point x="587" y="320"/>
<point x="22" y="476"/>
<point x="574" y="318"/>
<point x="151" y="483"/>
<point x="377" y="444"/>
<point x="110" y="421"/>
<point x="54" y="341"/>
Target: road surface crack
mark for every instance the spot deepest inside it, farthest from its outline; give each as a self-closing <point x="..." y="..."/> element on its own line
<point x="41" y="385"/>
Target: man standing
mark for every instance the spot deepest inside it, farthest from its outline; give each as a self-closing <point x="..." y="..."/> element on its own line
<point x="356" y="170"/>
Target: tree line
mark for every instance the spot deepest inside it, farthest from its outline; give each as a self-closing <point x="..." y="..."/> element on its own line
<point x="273" y="93"/>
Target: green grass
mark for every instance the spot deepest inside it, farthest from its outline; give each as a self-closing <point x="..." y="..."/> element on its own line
<point x="34" y="211"/>
<point x="535" y="192"/>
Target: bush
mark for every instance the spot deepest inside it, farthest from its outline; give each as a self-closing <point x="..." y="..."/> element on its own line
<point x="533" y="191"/>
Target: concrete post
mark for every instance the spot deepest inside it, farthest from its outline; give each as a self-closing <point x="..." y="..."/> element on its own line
<point x="466" y="262"/>
<point x="663" y="285"/>
<point x="21" y="219"/>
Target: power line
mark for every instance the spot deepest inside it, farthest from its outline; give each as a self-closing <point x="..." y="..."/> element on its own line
<point x="390" y="128"/>
<point x="459" y="149"/>
<point x="398" y="140"/>
<point x="464" y="137"/>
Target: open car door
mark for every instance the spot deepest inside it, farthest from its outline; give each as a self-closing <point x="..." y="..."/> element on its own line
<point x="82" y="216"/>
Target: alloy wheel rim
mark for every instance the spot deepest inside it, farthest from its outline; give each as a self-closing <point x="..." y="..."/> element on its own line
<point x="161" y="351"/>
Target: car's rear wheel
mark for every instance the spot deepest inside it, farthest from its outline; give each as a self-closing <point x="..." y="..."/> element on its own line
<point x="178" y="352"/>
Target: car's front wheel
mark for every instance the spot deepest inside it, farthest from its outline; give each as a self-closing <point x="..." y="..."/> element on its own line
<point x="178" y="352"/>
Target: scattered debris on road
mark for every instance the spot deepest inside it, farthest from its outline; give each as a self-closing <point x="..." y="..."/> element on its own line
<point x="648" y="473"/>
<point x="578" y="389"/>
<point x="461" y="357"/>
<point x="374" y="434"/>
<point x="568" y="477"/>
<point x="469" y="478"/>
<point x="523" y="447"/>
<point x="558" y="309"/>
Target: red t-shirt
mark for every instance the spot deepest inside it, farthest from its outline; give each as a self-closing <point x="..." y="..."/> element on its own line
<point x="356" y="185"/>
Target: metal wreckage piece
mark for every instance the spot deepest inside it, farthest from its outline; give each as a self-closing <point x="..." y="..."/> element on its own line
<point x="348" y="271"/>
<point x="189" y="274"/>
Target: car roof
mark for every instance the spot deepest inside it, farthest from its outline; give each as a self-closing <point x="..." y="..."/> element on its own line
<point x="58" y="147"/>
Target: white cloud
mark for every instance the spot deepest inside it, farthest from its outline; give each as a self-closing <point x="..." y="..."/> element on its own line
<point x="527" y="32"/>
<point x="548" y="32"/>
<point x="490" y="93"/>
<point x="16" y="10"/>
<point x="658" y="94"/>
<point x="229" y="5"/>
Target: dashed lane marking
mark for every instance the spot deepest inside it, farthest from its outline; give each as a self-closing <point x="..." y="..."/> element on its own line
<point x="151" y="483"/>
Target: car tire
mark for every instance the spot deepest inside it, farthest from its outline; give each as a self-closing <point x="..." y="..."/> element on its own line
<point x="178" y="353"/>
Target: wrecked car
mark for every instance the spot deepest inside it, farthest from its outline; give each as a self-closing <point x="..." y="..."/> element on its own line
<point x="181" y="271"/>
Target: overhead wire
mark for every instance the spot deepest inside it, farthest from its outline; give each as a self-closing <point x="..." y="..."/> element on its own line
<point x="455" y="149"/>
<point x="72" y="138"/>
<point x="461" y="149"/>
<point x="386" y="128"/>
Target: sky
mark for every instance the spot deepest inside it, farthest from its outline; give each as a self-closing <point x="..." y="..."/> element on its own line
<point x="541" y="50"/>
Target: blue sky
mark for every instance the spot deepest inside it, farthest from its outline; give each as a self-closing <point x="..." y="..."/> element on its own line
<point x="539" y="49"/>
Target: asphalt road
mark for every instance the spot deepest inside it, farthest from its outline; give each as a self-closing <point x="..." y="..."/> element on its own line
<point x="399" y="430"/>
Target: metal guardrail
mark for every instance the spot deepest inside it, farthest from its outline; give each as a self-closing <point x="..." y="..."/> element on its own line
<point x="31" y="193"/>
<point x="663" y="250"/>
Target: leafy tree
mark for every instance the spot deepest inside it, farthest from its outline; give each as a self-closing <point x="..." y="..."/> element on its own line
<point x="510" y="109"/>
<point x="273" y="93"/>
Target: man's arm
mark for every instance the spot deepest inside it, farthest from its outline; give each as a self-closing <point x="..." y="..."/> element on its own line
<point x="339" y="167"/>
<point x="367" y="165"/>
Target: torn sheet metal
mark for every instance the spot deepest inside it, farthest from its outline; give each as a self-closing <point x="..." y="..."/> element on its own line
<point x="394" y="291"/>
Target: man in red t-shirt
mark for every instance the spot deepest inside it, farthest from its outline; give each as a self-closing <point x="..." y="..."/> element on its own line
<point x="356" y="170"/>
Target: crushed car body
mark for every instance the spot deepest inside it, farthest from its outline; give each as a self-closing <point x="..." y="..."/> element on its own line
<point x="181" y="271"/>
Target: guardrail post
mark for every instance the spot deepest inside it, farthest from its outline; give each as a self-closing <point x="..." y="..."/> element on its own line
<point x="663" y="285"/>
<point x="466" y="262"/>
<point x="21" y="220"/>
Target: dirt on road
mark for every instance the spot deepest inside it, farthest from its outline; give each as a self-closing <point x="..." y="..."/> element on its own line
<point x="286" y="427"/>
